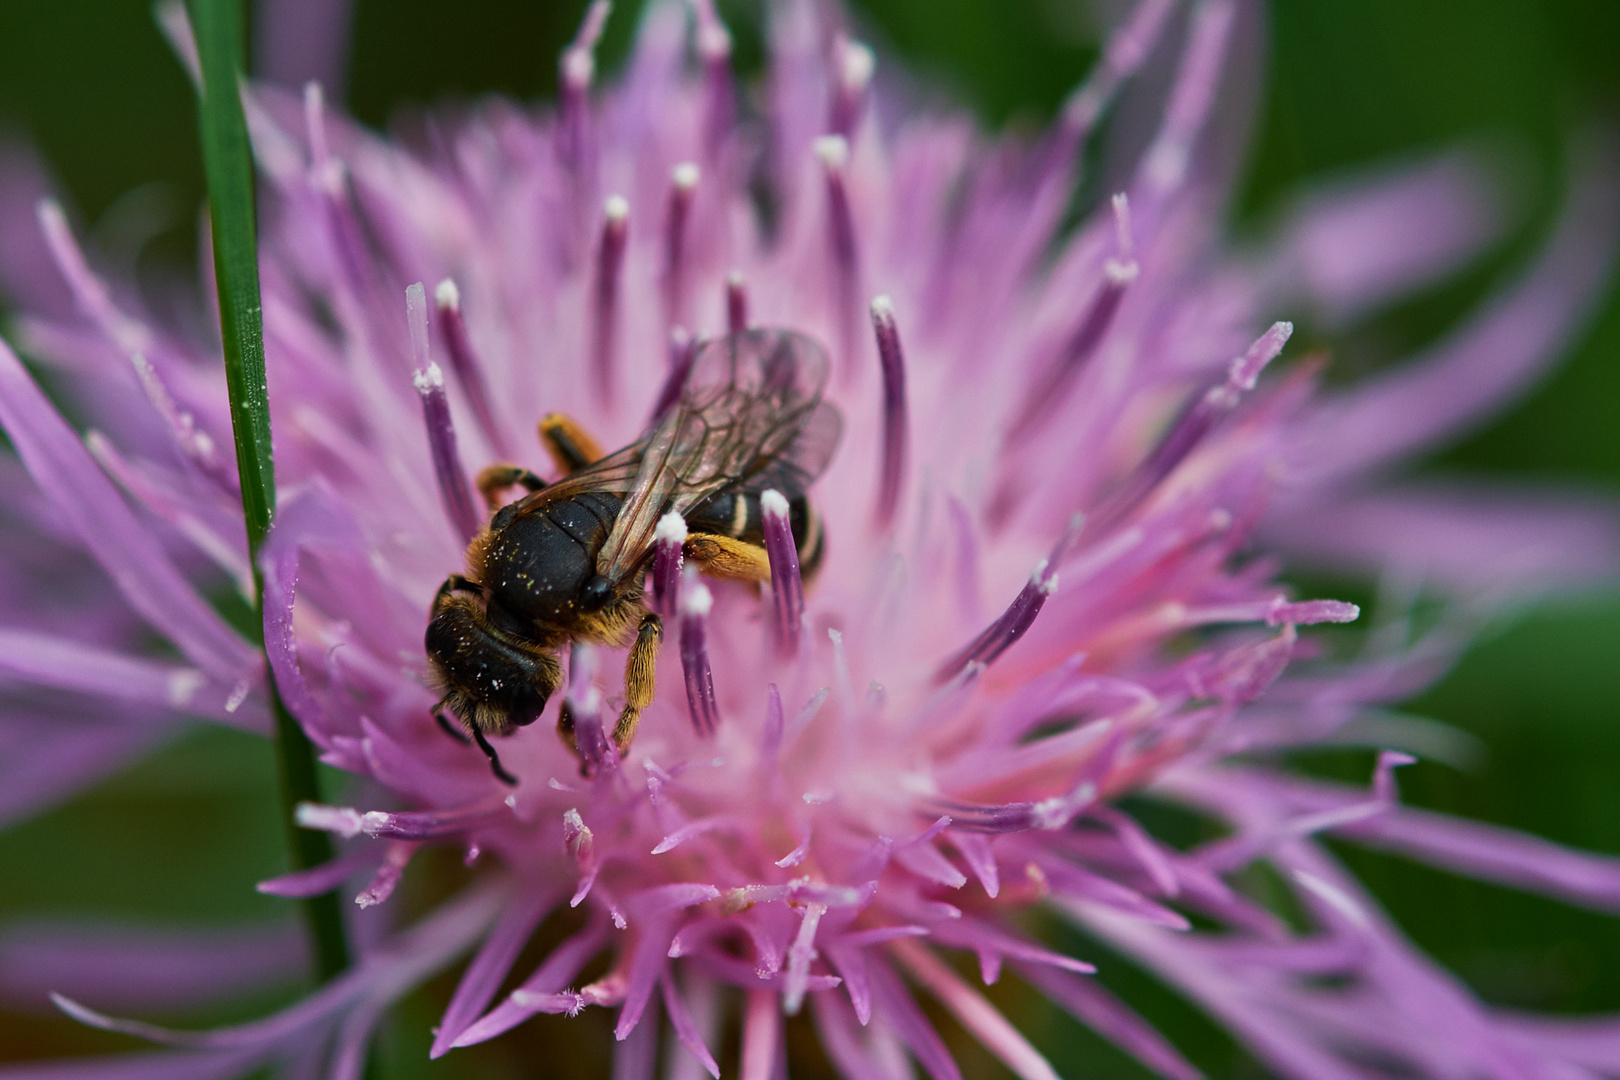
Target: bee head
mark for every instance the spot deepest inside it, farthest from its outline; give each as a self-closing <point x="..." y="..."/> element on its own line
<point x="490" y="681"/>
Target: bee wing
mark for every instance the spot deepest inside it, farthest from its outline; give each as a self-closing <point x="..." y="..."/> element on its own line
<point x="615" y="473"/>
<point x="803" y="461"/>
<point x="751" y="409"/>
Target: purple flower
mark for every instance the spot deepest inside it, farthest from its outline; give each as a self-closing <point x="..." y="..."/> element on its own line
<point x="1072" y="468"/>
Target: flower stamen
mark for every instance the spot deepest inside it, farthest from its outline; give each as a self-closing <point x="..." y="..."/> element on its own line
<point x="1020" y="614"/>
<point x="464" y="362"/>
<point x="581" y="845"/>
<point x="1012" y="625"/>
<point x="1198" y="420"/>
<point x="833" y="153"/>
<point x="736" y="302"/>
<point x="1124" y="54"/>
<point x="584" y="711"/>
<point x="329" y="177"/>
<point x="576" y="70"/>
<point x="855" y="66"/>
<point x="714" y="49"/>
<point x="770" y="749"/>
<point x="668" y="557"/>
<point x="609" y="270"/>
<point x="1052" y="388"/>
<point x="695" y="603"/>
<point x="348" y="822"/>
<point x="682" y="352"/>
<point x="196" y="445"/>
<point x="896" y="433"/>
<point x="787" y="587"/>
<point x="381" y="885"/>
<point x="683" y="182"/>
<point x="429" y="381"/>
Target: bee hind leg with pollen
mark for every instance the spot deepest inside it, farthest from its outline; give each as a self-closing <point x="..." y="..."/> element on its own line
<point x="571" y="448"/>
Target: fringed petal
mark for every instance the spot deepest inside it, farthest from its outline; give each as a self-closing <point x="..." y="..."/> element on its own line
<point x="1478" y="367"/>
<point x="134" y="559"/>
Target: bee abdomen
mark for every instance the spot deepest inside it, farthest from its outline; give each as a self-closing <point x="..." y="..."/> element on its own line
<point x="739" y="516"/>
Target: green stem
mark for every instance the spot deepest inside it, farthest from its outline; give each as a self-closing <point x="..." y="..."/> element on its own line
<point x="228" y="163"/>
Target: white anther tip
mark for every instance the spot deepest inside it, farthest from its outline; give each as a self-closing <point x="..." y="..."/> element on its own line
<point x="1122" y="227"/>
<point x="671" y="529"/>
<point x="343" y="820"/>
<point x="735" y="279"/>
<point x="578" y="68"/>
<point x="773" y="503"/>
<point x="447" y="295"/>
<point x="882" y="307"/>
<point x="696" y="599"/>
<point x="615" y="208"/>
<point x="859" y="63"/>
<point x="50" y="214"/>
<point x="714" y="42"/>
<point x="685" y="175"/>
<point x="832" y="151"/>
<point x="1121" y="273"/>
<point x="183" y="686"/>
<point x="428" y="379"/>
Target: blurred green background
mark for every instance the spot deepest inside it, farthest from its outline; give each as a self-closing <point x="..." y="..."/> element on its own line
<point x="1348" y="83"/>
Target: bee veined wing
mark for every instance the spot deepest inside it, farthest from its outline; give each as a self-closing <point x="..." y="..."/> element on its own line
<point x="751" y="410"/>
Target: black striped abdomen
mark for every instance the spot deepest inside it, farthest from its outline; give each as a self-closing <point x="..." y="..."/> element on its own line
<point x="738" y="515"/>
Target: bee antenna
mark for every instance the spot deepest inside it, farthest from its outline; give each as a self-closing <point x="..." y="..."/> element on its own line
<point x="494" y="759"/>
<point x="450" y="729"/>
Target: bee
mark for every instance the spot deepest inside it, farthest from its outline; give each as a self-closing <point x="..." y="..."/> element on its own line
<point x="567" y="561"/>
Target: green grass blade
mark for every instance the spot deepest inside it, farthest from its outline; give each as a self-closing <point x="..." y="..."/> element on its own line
<point x="228" y="166"/>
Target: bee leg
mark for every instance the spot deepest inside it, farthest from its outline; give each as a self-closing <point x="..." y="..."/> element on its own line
<point x="453" y="584"/>
<point x="448" y="728"/>
<point x="640" y="679"/>
<point x="571" y="449"/>
<point x="722" y="557"/>
<point x="496" y="478"/>
<point x="494" y="759"/>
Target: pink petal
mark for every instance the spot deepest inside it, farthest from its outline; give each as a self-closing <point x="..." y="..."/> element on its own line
<point x="134" y="559"/>
<point x="894" y="1006"/>
<point x="1358" y="242"/>
<point x="1095" y="1007"/>
<point x="491" y="965"/>
<point x="1480" y="366"/>
<point x="680" y="1018"/>
<point x="146" y="969"/>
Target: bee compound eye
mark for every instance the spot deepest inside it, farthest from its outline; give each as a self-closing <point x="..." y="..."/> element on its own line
<point x="526" y="708"/>
<point x="595" y="594"/>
